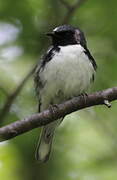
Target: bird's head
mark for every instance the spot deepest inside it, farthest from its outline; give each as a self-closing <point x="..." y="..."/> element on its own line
<point x="67" y="35"/>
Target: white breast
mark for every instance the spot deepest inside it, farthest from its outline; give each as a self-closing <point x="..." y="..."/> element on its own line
<point x="69" y="72"/>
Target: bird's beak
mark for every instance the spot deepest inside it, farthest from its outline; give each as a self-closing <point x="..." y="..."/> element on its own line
<point x="50" y="34"/>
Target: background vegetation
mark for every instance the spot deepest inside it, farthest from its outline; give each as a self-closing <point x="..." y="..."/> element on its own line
<point x="85" y="147"/>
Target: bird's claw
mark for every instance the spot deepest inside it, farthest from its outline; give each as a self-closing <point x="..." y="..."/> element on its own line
<point x="84" y="96"/>
<point x="52" y="108"/>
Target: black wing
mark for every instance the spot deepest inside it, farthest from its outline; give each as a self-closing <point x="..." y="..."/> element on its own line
<point x="87" y="52"/>
<point x="39" y="84"/>
<point x="92" y="60"/>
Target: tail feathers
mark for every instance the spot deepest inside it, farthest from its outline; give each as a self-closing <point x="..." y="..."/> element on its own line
<point x="45" y="142"/>
<point x="44" y="146"/>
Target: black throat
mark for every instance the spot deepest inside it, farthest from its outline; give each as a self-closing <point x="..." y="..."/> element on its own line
<point x="63" y="40"/>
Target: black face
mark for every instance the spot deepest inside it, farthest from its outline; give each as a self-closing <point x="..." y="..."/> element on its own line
<point x="66" y="35"/>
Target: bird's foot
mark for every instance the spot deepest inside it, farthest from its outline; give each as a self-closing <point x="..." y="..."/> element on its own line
<point x="52" y="109"/>
<point x="84" y="96"/>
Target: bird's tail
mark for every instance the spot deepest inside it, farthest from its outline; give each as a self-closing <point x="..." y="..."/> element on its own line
<point x="45" y="142"/>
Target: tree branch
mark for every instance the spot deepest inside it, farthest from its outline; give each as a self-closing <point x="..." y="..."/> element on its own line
<point x="45" y="117"/>
<point x="5" y="109"/>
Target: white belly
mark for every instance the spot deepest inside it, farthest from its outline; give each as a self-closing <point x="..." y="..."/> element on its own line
<point x="68" y="74"/>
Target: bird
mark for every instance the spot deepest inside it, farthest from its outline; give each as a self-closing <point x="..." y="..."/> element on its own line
<point x="66" y="70"/>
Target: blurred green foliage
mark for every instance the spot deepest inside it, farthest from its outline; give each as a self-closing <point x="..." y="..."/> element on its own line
<point x="85" y="145"/>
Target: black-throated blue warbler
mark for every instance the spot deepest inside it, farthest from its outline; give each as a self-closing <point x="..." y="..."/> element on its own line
<point x="66" y="70"/>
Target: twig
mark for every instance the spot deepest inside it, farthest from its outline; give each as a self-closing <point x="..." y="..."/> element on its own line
<point x="68" y="6"/>
<point x="10" y="99"/>
<point x="45" y="117"/>
<point x="70" y="9"/>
